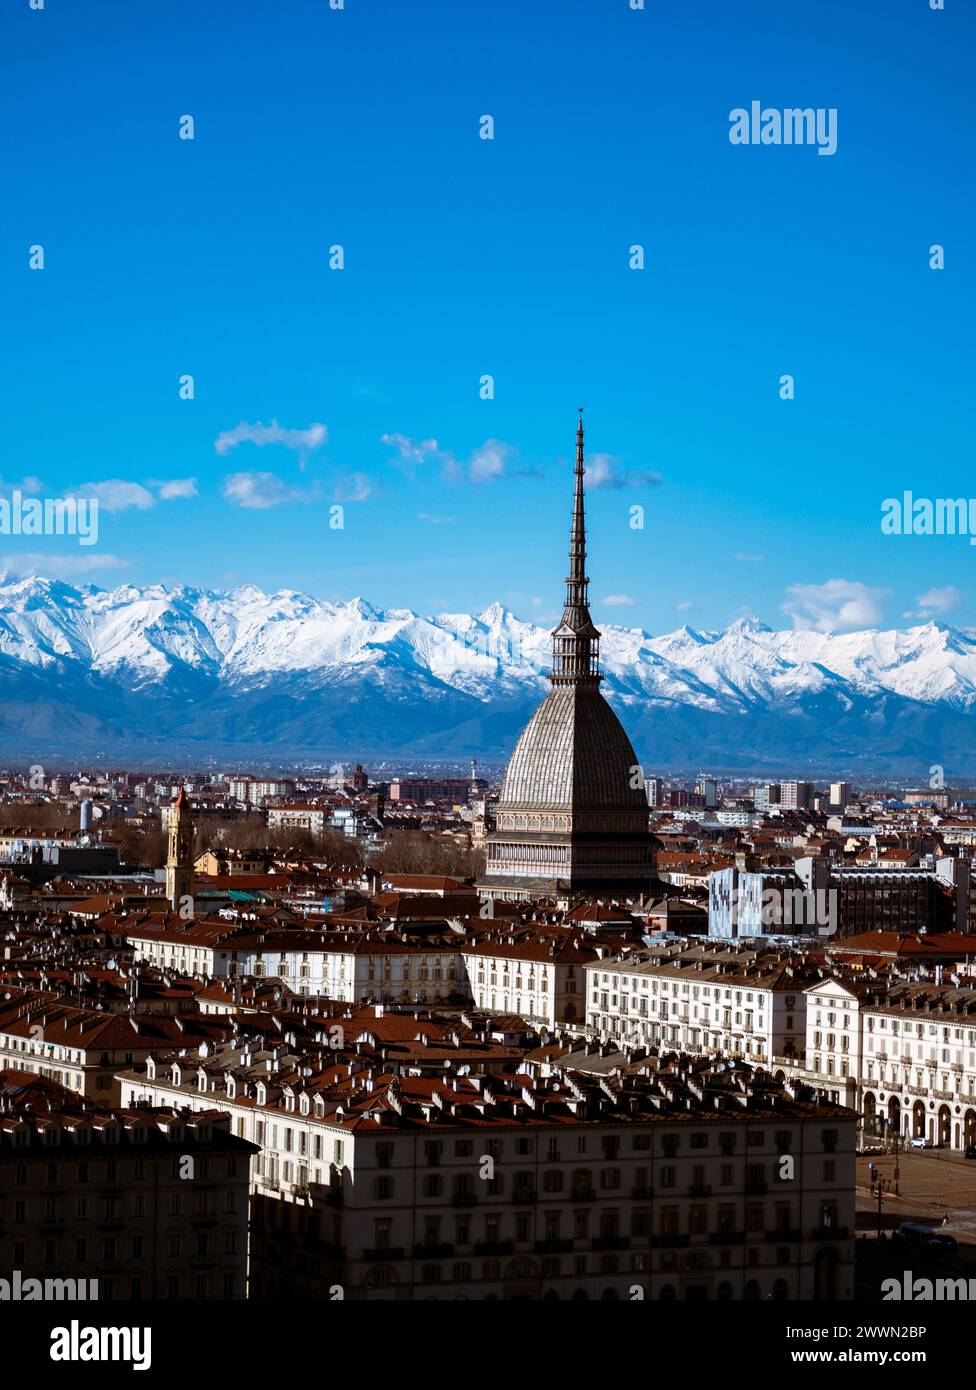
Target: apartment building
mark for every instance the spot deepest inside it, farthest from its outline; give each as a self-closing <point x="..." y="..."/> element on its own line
<point x="903" y="1055"/>
<point x="149" y="1202"/>
<point x="795" y="796"/>
<point x="299" y="816"/>
<point x="538" y="975"/>
<point x="681" y="1178"/>
<point x="83" y="1049"/>
<point x="347" y="966"/>
<point x="741" y="1004"/>
<point x="532" y="970"/>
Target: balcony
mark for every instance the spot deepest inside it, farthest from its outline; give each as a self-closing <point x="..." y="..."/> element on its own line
<point x="433" y="1252"/>
<point x="464" y="1199"/>
<point x="829" y="1233"/>
<point x="700" y="1189"/>
<point x="494" y="1247"/>
<point x="395" y="1252"/>
<point x="525" y="1196"/>
<point x="611" y="1243"/>
<point x="553" y="1247"/>
<point x="782" y="1237"/>
<point x="582" y="1194"/>
<point x="671" y="1241"/>
<point x="757" y="1185"/>
<point x="642" y="1192"/>
<point x="727" y="1238"/>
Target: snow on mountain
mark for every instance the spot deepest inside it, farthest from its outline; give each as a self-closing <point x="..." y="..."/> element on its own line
<point x="142" y="670"/>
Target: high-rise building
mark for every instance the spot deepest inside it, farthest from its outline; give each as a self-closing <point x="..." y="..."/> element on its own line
<point x="840" y="794"/>
<point x="572" y="815"/>
<point x="707" y="789"/>
<point x="795" y="796"/>
<point x="765" y="797"/>
<point x="654" y="787"/>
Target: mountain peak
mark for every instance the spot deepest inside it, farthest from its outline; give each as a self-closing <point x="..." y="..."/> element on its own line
<point x="287" y="670"/>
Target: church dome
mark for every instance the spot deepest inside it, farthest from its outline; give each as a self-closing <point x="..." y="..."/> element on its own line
<point x="573" y="755"/>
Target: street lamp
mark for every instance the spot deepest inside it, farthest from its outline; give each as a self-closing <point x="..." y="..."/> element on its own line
<point x="881" y="1187"/>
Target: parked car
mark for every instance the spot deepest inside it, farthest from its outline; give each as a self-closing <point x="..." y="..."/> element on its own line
<point x="927" y="1238"/>
<point x="920" y="1142"/>
<point x="971" y="1150"/>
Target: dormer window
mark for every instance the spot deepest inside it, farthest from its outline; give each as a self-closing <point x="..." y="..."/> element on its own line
<point x="304" y="1105"/>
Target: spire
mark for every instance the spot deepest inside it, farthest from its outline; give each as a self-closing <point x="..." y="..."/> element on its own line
<point x="576" y="642"/>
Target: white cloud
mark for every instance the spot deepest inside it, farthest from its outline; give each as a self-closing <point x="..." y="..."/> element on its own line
<point x="177" y="487"/>
<point x="488" y="462"/>
<point x="684" y="606"/>
<point x="258" y="491"/>
<point x="30" y="485"/>
<point x="35" y="563"/>
<point x="411" y="451"/>
<point x="354" y="487"/>
<point x="302" y="441"/>
<point x="436" y="520"/>
<point x="618" y="601"/>
<point x="600" y="471"/>
<point x="116" y="495"/>
<point x="936" y="602"/>
<point x="839" y="605"/>
<point x="748" y="559"/>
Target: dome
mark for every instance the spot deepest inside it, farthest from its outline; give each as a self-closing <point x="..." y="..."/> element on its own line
<point x="573" y="755"/>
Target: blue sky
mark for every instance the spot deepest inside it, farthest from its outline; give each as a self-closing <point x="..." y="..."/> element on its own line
<point x="507" y="257"/>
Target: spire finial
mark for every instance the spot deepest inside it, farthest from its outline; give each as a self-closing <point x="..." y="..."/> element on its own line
<point x="576" y="640"/>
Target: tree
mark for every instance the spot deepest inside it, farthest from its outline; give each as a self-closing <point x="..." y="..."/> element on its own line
<point x="416" y="852"/>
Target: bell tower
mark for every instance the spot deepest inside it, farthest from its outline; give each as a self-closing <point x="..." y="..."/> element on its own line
<point x="179" y="857"/>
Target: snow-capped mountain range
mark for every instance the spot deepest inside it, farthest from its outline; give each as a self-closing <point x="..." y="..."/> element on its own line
<point x="144" y="674"/>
